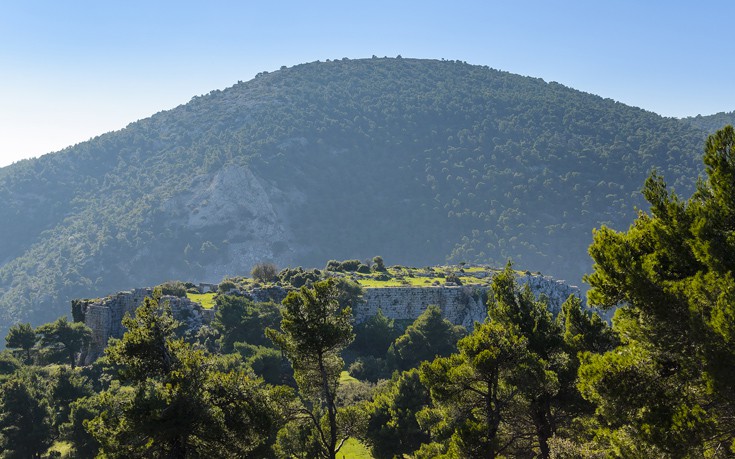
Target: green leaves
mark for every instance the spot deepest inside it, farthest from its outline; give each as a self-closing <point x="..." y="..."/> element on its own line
<point x="669" y="385"/>
<point x="179" y="403"/>
<point x="316" y="328"/>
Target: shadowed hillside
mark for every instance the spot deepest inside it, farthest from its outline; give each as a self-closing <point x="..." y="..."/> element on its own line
<point x="420" y="161"/>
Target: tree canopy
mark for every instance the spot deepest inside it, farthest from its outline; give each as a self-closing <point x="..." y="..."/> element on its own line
<point x="670" y="387"/>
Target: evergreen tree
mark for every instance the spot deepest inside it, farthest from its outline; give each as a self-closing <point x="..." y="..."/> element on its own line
<point x="670" y="387"/>
<point x="239" y="319"/>
<point x="316" y="328"/>
<point x="429" y="336"/>
<point x="25" y="424"/>
<point x="393" y="429"/>
<point x="476" y="393"/>
<point x="64" y="339"/>
<point x="21" y="336"/>
<point x="177" y="404"/>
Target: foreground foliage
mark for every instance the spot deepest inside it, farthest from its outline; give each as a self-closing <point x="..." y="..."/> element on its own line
<point x="670" y="386"/>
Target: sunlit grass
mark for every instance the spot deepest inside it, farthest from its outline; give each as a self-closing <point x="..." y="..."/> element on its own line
<point x="205" y="299"/>
<point x="345" y="378"/>
<point x="353" y="449"/>
<point x="63" y="448"/>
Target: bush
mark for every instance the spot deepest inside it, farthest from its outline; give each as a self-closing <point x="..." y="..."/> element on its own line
<point x="226" y="285"/>
<point x="298" y="277"/>
<point x="379" y="264"/>
<point x="369" y="368"/>
<point x="264" y="272"/>
<point x="350" y="265"/>
<point x="453" y="278"/>
<point x="173" y="288"/>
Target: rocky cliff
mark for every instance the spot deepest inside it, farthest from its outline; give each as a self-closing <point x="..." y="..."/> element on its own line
<point x="104" y="316"/>
<point x="463" y="305"/>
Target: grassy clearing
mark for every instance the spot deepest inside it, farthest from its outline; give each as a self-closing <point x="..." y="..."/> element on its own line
<point x="61" y="447"/>
<point x="205" y="299"/>
<point x="345" y="378"/>
<point x="353" y="449"/>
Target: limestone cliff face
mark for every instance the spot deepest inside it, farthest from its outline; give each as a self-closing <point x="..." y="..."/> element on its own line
<point x="462" y="305"/>
<point x="245" y="217"/>
<point x="104" y="316"/>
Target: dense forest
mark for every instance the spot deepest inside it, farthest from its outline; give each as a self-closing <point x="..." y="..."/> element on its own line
<point x="428" y="161"/>
<point x="301" y="380"/>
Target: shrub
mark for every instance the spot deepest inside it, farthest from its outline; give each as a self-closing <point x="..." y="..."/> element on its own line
<point x="173" y="288"/>
<point x="453" y="278"/>
<point x="298" y="277"/>
<point x="379" y="264"/>
<point x="264" y="272"/>
<point x="226" y="285"/>
<point x="350" y="265"/>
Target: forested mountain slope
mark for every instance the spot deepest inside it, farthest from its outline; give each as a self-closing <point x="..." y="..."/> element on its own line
<point x="711" y="123"/>
<point x="419" y="161"/>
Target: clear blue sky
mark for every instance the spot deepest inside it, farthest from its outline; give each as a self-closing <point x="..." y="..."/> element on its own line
<point x="71" y="70"/>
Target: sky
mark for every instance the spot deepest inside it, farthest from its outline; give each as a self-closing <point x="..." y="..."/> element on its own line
<point x="72" y="70"/>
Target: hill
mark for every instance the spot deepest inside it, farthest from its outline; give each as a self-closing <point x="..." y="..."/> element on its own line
<point x="711" y="123"/>
<point x="420" y="161"/>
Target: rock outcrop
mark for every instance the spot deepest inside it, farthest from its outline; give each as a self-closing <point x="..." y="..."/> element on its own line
<point x="104" y="316"/>
<point x="462" y="305"/>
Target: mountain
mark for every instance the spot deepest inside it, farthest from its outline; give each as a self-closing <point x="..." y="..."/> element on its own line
<point x="711" y="123"/>
<point x="420" y="161"/>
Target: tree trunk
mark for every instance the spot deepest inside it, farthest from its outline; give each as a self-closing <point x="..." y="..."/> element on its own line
<point x="331" y="409"/>
<point x="541" y="412"/>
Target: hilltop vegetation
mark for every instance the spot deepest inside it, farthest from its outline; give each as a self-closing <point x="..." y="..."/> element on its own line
<point x="423" y="160"/>
<point x="712" y="123"/>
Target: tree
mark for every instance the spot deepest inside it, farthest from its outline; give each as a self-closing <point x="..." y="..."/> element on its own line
<point x="264" y="272"/>
<point x="239" y="319"/>
<point x="315" y="330"/>
<point x="374" y="335"/>
<point x="25" y="425"/>
<point x="393" y="429"/>
<point x="550" y="375"/>
<point x="66" y="386"/>
<point x="21" y="336"/>
<point x="475" y="391"/>
<point x="80" y="411"/>
<point x="670" y="385"/>
<point x="379" y="264"/>
<point x="429" y="336"/>
<point x="511" y="386"/>
<point x="64" y="338"/>
<point x="169" y="400"/>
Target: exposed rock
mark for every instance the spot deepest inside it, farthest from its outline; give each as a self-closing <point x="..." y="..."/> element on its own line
<point x="463" y="305"/>
<point x="104" y="316"/>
